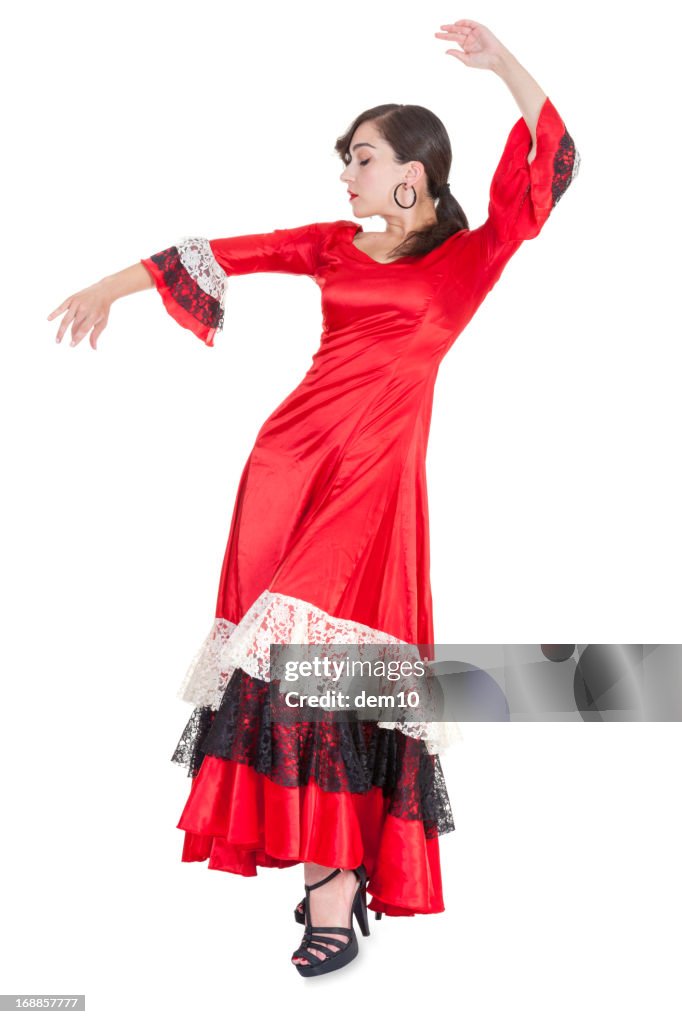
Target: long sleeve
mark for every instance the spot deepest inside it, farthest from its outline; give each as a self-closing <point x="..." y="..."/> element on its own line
<point x="191" y="276"/>
<point x="522" y="194"/>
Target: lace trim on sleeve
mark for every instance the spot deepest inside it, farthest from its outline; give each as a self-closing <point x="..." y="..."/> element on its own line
<point x="566" y="166"/>
<point x="191" y="278"/>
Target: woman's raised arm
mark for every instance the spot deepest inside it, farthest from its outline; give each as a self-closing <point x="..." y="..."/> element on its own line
<point x="481" y="49"/>
<point x="540" y="159"/>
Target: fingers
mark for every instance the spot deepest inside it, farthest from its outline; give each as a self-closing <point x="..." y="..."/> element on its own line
<point x="81" y="328"/>
<point x="85" y="311"/>
<point x="81" y="322"/>
<point x="65" y="323"/>
<point x="456" y="35"/>
<point x="97" y="331"/>
<point x="461" y="28"/>
<point x="60" y="309"/>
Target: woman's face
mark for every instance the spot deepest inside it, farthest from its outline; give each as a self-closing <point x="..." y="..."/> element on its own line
<point x="373" y="173"/>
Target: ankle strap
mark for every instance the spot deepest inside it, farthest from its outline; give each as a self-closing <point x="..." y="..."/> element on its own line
<point x="315" y="884"/>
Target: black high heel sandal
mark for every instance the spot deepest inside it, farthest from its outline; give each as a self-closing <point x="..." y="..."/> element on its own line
<point x="323" y="937"/>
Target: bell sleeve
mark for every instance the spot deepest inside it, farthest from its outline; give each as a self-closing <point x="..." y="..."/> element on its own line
<point x="523" y="194"/>
<point x="191" y="276"/>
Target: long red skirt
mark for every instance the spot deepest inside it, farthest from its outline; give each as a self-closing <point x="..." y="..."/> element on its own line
<point x="269" y="793"/>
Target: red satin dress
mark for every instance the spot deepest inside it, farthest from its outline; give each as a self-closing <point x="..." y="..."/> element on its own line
<point x="329" y="539"/>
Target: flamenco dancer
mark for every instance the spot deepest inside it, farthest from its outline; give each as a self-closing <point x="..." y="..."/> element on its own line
<point x="329" y="538"/>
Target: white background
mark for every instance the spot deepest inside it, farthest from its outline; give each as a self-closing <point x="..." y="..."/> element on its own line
<point x="553" y="465"/>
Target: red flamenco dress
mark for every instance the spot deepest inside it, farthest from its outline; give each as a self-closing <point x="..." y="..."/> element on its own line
<point x="329" y="540"/>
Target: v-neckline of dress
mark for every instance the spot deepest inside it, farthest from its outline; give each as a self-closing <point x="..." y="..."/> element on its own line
<point x="408" y="258"/>
<point x="357" y="229"/>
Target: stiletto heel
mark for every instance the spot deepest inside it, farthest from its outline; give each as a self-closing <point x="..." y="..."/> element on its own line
<point x="323" y="937"/>
<point x="360" y="902"/>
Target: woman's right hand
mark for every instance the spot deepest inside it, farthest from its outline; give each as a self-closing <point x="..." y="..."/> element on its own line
<point x="85" y="310"/>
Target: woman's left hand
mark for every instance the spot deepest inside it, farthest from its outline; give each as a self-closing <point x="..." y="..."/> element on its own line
<point x="480" y="48"/>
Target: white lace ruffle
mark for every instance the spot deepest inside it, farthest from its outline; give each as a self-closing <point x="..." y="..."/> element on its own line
<point x="279" y="619"/>
<point x="198" y="260"/>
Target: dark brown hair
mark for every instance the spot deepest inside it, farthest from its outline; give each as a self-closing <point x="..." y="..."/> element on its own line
<point x="415" y="133"/>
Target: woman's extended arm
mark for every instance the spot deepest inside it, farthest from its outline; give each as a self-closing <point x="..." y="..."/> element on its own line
<point x="90" y="307"/>
<point x="191" y="278"/>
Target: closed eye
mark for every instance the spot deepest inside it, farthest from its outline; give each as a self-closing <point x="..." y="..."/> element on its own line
<point x="347" y="161"/>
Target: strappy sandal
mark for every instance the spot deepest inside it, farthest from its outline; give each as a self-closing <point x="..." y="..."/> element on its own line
<point x="299" y="912"/>
<point x="322" y="937"/>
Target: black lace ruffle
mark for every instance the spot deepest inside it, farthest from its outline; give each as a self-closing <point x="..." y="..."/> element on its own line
<point x="338" y="756"/>
<point x="186" y="291"/>
<point x="566" y="164"/>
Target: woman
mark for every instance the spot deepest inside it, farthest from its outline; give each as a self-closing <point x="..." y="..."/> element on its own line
<point x="329" y="537"/>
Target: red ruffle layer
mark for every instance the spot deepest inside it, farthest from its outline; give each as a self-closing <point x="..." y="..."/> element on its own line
<point x="239" y="820"/>
<point x="178" y="312"/>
